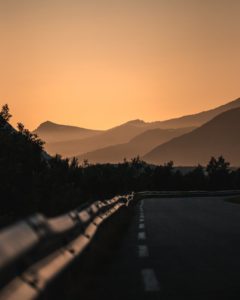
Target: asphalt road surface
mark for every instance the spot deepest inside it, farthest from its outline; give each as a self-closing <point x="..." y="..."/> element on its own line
<point x="177" y="248"/>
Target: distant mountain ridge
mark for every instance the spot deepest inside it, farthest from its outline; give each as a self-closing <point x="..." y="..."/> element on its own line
<point x="220" y="136"/>
<point x="52" y="132"/>
<point x="75" y="141"/>
<point x="117" y="135"/>
<point x="137" y="146"/>
<point x="196" y="120"/>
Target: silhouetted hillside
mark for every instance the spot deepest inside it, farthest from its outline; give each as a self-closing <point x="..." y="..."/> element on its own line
<point x="117" y="135"/>
<point x="198" y="119"/>
<point x="219" y="136"/>
<point x="138" y="146"/>
<point x="73" y="141"/>
<point x="52" y="132"/>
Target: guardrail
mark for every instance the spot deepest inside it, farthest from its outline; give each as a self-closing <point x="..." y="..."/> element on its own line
<point x="179" y="194"/>
<point x="34" y="251"/>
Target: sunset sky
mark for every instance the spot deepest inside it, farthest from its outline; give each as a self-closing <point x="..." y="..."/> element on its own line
<point x="99" y="63"/>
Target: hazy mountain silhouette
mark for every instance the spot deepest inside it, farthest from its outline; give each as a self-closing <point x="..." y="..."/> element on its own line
<point x="219" y="136"/>
<point x="52" y="132"/>
<point x="139" y="145"/>
<point x="117" y="135"/>
<point x="72" y="141"/>
<point x="196" y="120"/>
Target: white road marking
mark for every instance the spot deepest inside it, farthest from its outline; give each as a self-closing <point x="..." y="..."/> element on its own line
<point x="141" y="226"/>
<point x="141" y="235"/>
<point x="143" y="251"/>
<point x="150" y="281"/>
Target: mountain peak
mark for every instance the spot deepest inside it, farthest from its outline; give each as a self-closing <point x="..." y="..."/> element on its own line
<point x="136" y="122"/>
<point x="53" y="132"/>
<point x="46" y="125"/>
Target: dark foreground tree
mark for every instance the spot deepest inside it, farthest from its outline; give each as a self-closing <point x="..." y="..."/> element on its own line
<point x="5" y="114"/>
<point x="218" y="173"/>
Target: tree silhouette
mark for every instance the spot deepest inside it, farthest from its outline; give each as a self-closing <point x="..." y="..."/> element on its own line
<point x="218" y="172"/>
<point x="5" y="113"/>
<point x="218" y="165"/>
<point x="196" y="179"/>
<point x="31" y="137"/>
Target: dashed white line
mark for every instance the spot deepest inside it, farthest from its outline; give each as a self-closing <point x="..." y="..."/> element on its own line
<point x="143" y="251"/>
<point x="141" y="235"/>
<point x="150" y="281"/>
<point x="151" y="284"/>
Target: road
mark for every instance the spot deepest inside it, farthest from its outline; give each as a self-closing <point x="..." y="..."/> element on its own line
<point x="176" y="248"/>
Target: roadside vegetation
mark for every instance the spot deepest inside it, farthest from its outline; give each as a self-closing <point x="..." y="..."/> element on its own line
<point x="31" y="181"/>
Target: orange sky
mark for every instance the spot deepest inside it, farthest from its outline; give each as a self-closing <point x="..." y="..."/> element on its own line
<point x="98" y="63"/>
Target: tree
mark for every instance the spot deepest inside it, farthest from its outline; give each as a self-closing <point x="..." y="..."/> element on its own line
<point x="20" y="127"/>
<point x="74" y="163"/>
<point x="85" y="163"/>
<point x="31" y="137"/>
<point x="5" y="114"/>
<point x="196" y="179"/>
<point x="218" y="173"/>
<point x="218" y="165"/>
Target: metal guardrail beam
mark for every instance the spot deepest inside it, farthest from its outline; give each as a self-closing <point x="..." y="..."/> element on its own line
<point x="19" y="242"/>
<point x="36" y="250"/>
<point x="188" y="193"/>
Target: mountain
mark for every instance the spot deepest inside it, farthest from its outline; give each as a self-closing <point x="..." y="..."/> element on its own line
<point x="117" y="135"/>
<point x="73" y="141"/>
<point x="198" y="119"/>
<point x="52" y="132"/>
<point x="220" y="136"/>
<point x="139" y="145"/>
